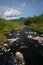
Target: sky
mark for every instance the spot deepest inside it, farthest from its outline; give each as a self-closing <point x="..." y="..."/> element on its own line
<point x="13" y="9"/>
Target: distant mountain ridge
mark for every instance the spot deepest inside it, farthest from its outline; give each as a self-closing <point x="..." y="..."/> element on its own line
<point x="22" y="19"/>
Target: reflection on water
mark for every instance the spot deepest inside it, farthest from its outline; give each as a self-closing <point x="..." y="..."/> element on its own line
<point x="31" y="49"/>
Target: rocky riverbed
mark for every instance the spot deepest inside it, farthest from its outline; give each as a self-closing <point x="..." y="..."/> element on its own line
<point x="26" y="41"/>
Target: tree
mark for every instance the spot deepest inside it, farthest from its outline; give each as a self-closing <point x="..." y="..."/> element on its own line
<point x="28" y="21"/>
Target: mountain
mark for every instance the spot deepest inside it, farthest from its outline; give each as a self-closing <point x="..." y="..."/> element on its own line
<point x="22" y="19"/>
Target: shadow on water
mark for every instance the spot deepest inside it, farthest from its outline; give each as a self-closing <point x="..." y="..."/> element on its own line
<point x="31" y="49"/>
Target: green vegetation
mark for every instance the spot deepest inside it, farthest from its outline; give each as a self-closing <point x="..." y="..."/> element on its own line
<point x="6" y="27"/>
<point x="3" y="39"/>
<point x="35" y="23"/>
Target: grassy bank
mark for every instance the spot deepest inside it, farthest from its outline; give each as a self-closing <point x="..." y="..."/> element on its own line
<point x="35" y="23"/>
<point x="6" y="27"/>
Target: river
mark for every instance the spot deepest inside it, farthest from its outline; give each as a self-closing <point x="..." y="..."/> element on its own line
<point x="22" y="41"/>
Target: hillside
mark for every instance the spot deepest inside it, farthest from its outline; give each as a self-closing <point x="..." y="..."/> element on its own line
<point x="35" y="23"/>
<point x="6" y="27"/>
<point x="22" y="19"/>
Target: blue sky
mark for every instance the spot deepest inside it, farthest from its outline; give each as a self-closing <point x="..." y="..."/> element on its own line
<point x="11" y="9"/>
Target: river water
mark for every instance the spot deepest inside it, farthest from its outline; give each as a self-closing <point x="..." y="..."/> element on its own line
<point x="31" y="49"/>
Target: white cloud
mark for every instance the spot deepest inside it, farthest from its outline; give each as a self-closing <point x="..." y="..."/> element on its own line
<point x="14" y="12"/>
<point x="10" y="13"/>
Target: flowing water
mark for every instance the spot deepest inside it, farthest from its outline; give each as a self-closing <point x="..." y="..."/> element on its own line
<point x="31" y="49"/>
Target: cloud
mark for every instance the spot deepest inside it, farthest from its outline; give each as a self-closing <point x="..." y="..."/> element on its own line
<point x="10" y="13"/>
<point x="14" y="12"/>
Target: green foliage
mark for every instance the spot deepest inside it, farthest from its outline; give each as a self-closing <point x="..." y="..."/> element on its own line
<point x="35" y="23"/>
<point x="6" y="27"/>
<point x="28" y="21"/>
<point x="2" y="24"/>
<point x="2" y="39"/>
